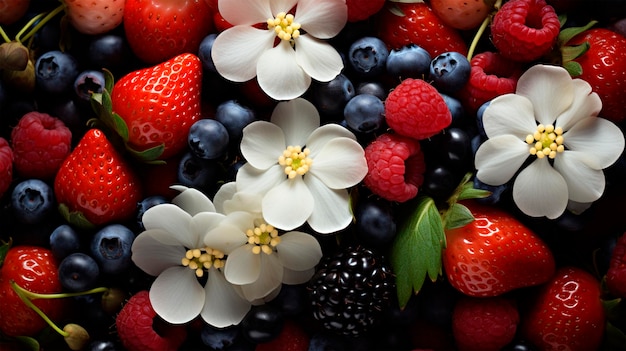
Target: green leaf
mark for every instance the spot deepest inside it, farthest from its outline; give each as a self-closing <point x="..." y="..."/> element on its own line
<point x="458" y="216"/>
<point x="416" y="251"/>
<point x="614" y="338"/>
<point x="569" y="53"/>
<point x="75" y="218"/>
<point x="108" y="80"/>
<point x="567" y="34"/>
<point x="150" y="155"/>
<point x="469" y="192"/>
<point x="573" y="68"/>
<point x="393" y="8"/>
<point x="4" y="248"/>
<point x="28" y="342"/>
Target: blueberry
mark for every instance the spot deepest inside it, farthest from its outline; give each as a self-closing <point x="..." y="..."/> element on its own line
<point x="78" y="272"/>
<point x="439" y="182"/>
<point x="373" y="88"/>
<point x="110" y="247"/>
<point x="55" y="72"/>
<point x="208" y="139"/>
<point x="496" y="192"/>
<point x="195" y="172"/>
<point x="456" y="110"/>
<point x="64" y="240"/>
<point x="147" y="203"/>
<point x="32" y="201"/>
<point x="455" y="149"/>
<point x="103" y="345"/>
<point x="204" y="52"/>
<point x="234" y="116"/>
<point x="291" y="299"/>
<point x="87" y="83"/>
<point x="331" y="97"/>
<point x="262" y="323"/>
<point x="449" y="71"/>
<point x="409" y="61"/>
<point x="479" y="119"/>
<point x="327" y="341"/>
<point x="109" y="51"/>
<point x="364" y="113"/>
<point x="219" y="338"/>
<point x="375" y="223"/>
<point x="368" y="56"/>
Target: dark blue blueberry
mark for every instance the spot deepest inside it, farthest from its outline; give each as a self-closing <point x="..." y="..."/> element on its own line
<point x="208" y="139"/>
<point x="147" y="203"/>
<point x="409" y="61"/>
<point x="449" y="71"/>
<point x="204" y="52"/>
<point x="262" y="323"/>
<point x="78" y="272"/>
<point x="195" y="172"/>
<point x="64" y="240"/>
<point x="368" y="56"/>
<point x="55" y="72"/>
<point x="439" y="182"/>
<point x="375" y="223"/>
<point x="111" y="248"/>
<point x="235" y="117"/>
<point x="331" y="97"/>
<point x="87" y="83"/>
<point x="110" y="51"/>
<point x="373" y="88"/>
<point x="32" y="201"/>
<point x="455" y="149"/>
<point x="496" y="192"/>
<point x="327" y="341"/>
<point x="479" y="119"/>
<point x="219" y="338"/>
<point x="456" y="110"/>
<point x="73" y="114"/>
<point x="364" y="113"/>
<point x="291" y="299"/>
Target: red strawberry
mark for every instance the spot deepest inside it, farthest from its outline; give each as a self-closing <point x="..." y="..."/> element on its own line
<point x="34" y="269"/>
<point x="359" y="10"/>
<point x="95" y="185"/>
<point x="158" y="30"/>
<point x="419" y="25"/>
<point x="604" y="67"/>
<point x="415" y="109"/>
<point x="94" y="17"/>
<point x="136" y="324"/>
<point x="616" y="274"/>
<point x="160" y="103"/>
<point x="291" y="338"/>
<point x="40" y="144"/>
<point x="567" y="313"/>
<point x="12" y="10"/>
<point x="484" y="257"/>
<point x="484" y="324"/>
<point x="6" y="165"/>
<point x="462" y="14"/>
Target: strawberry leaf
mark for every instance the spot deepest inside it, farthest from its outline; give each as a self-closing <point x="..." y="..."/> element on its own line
<point x="150" y="155"/>
<point x="75" y="218"/>
<point x="416" y="251"/>
<point x="458" y="216"/>
<point x="573" y="68"/>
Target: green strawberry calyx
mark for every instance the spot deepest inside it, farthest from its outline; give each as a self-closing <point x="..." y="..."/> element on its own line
<point x="568" y="53"/>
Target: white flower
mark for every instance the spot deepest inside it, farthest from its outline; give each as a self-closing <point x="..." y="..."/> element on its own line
<point x="301" y="169"/>
<point x="174" y="248"/>
<point x="283" y="70"/>
<point x="265" y="260"/>
<point x="553" y="119"/>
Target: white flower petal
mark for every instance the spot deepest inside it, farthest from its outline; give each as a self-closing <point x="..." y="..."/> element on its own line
<point x="269" y="280"/>
<point x="578" y="207"/>
<point x="596" y="136"/>
<point x="509" y="114"/>
<point x="322" y="135"/>
<point x="340" y="164"/>
<point x="332" y="207"/>
<point x="223" y="194"/>
<point x="225" y="238"/>
<point x="585" y="104"/>
<point x="297" y="118"/>
<point x="247" y="202"/>
<point x="584" y="184"/>
<point x="152" y="256"/>
<point x="245" y="12"/>
<point x="250" y="179"/>
<point x="282" y="5"/>
<point x="322" y="19"/>
<point x="279" y="75"/>
<point x="263" y="142"/>
<point x="297" y="277"/>
<point x="499" y="158"/>
<point x="193" y="201"/>
<point x="550" y="90"/>
<point x="236" y="51"/>
<point x="204" y="222"/>
<point x="242" y="266"/>
<point x="298" y="251"/>
<point x="177" y="296"/>
<point x="288" y="205"/>
<point x="223" y="306"/>
<point x="540" y="191"/>
<point x="318" y="59"/>
<point x="172" y="220"/>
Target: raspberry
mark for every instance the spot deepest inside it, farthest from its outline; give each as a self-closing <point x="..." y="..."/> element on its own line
<point x="395" y="167"/>
<point x="492" y="75"/>
<point x="135" y="326"/>
<point x="40" y="144"/>
<point x="416" y="109"/>
<point x="616" y="275"/>
<point x="6" y="165"/>
<point x="525" y="30"/>
<point x="484" y="324"/>
<point x="359" y="10"/>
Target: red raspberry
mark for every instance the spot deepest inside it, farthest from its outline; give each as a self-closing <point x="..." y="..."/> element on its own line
<point x="359" y="10"/>
<point x="492" y="75"/>
<point x="135" y="327"/>
<point x="6" y="165"/>
<point x="40" y="144"/>
<point x="525" y="30"/>
<point x="484" y="324"/>
<point x="616" y="275"/>
<point x="395" y="167"/>
<point x="416" y="109"/>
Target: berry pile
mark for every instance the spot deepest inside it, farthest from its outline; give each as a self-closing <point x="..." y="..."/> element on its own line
<point x="111" y="110"/>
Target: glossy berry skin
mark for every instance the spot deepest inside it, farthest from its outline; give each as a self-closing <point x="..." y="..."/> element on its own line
<point x="331" y="97"/>
<point x="55" y="72"/>
<point x="32" y="201"/>
<point x="146" y="204"/>
<point x="484" y="257"/>
<point x="6" y="166"/>
<point x="78" y="272"/>
<point x="456" y="110"/>
<point x="87" y="83"/>
<point x="367" y="56"/>
<point x="12" y="10"/>
<point x="375" y="222"/>
<point x="439" y="181"/>
<point x="219" y="338"/>
<point x="461" y="14"/>
<point x="204" y="52"/>
<point x="364" y="113"/>
<point x="409" y="61"/>
<point x="235" y="116"/>
<point x="35" y="269"/>
<point x="64" y="240"/>
<point x="94" y="17"/>
<point x="195" y="172"/>
<point x="109" y="50"/>
<point x="567" y="313"/>
<point x="208" y="139"/>
<point x="616" y="274"/>
<point x="111" y="248"/>
<point x="359" y="10"/>
<point x="449" y="71"/>
<point x="262" y="323"/>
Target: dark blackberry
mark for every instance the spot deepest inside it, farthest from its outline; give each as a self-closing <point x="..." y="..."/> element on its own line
<point x="350" y="290"/>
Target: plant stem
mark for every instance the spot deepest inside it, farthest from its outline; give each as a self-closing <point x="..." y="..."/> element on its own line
<point x="4" y="35"/>
<point x="41" y="23"/>
<point x="20" y="292"/>
<point x="481" y="30"/>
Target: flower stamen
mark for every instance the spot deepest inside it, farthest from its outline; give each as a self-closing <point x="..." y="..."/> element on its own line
<point x="202" y="259"/>
<point x="295" y="160"/>
<point x="284" y="26"/>
<point x="264" y="238"/>
<point x="546" y="141"/>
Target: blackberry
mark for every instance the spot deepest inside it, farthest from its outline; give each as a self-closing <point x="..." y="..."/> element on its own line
<point x="350" y="290"/>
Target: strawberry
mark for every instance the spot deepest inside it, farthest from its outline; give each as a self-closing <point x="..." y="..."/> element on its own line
<point x="418" y="25"/>
<point x="94" y="17"/>
<point x="567" y="313"/>
<point x="158" y="30"/>
<point x="483" y="258"/>
<point x="616" y="274"/>
<point x="604" y="67"/>
<point x="34" y="269"/>
<point x="95" y="185"/>
<point x="159" y="104"/>
<point x="359" y="10"/>
<point x="12" y="10"/>
<point x="462" y="14"/>
<point x="291" y="338"/>
<point x="6" y="165"/>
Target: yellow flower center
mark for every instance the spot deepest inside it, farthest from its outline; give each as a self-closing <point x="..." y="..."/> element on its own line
<point x="295" y="160"/>
<point x="284" y="26"/>
<point x="546" y="141"/>
<point x="264" y="238"/>
<point x="202" y="259"/>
